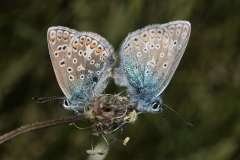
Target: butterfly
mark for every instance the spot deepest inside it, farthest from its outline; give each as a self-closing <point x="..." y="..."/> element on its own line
<point x="149" y="58"/>
<point x="82" y="62"/>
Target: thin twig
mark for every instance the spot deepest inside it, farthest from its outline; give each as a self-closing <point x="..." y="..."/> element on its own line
<point x="40" y="125"/>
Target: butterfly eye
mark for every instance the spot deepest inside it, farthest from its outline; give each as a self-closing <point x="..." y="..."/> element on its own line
<point x="65" y="104"/>
<point x="156" y="106"/>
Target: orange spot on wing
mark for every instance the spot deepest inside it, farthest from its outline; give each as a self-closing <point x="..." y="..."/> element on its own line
<point x="136" y="42"/>
<point x="145" y="38"/>
<point x="152" y="33"/>
<point x="104" y="57"/>
<point x="59" y="36"/>
<point x="99" y="50"/>
<point x="75" y="45"/>
<point x="88" y="42"/>
<point x="65" y="37"/>
<point x="82" y="41"/>
<point x="92" y="46"/>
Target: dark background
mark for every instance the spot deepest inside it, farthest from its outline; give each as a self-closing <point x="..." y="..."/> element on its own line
<point x="205" y="89"/>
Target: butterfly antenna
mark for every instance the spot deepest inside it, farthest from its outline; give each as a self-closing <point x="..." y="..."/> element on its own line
<point x="46" y="99"/>
<point x="179" y="116"/>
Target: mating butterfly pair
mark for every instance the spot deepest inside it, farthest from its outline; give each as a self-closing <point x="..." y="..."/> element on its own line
<point x="83" y="63"/>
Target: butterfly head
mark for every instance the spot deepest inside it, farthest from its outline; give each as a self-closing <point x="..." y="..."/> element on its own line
<point x="153" y="105"/>
<point x="75" y="103"/>
<point x="69" y="105"/>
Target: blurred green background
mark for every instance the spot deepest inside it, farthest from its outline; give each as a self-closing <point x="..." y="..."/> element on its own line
<point x="205" y="89"/>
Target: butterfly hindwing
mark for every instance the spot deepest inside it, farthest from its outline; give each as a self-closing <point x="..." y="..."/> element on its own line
<point x="59" y="39"/>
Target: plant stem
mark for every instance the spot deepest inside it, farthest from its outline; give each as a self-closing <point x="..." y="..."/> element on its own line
<point x="40" y="125"/>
